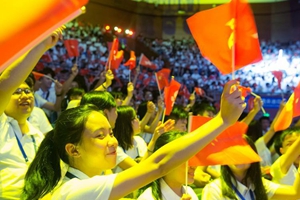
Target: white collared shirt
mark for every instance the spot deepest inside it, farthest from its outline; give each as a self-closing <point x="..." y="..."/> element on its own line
<point x="166" y="192"/>
<point x="12" y="163"/>
<point x="84" y="187"/>
<point x="213" y="190"/>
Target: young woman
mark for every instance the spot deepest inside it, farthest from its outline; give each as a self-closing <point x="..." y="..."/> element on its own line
<point x="83" y="139"/>
<point x="126" y="130"/>
<point x="171" y="185"/>
<point x="245" y="182"/>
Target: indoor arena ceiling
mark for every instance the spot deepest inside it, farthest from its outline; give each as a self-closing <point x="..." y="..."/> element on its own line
<point x="177" y="2"/>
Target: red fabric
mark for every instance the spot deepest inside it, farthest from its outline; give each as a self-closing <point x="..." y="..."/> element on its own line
<point x="113" y="48"/>
<point x="199" y="91"/>
<point x="147" y="63"/>
<point x="296" y="102"/>
<point x="278" y="76"/>
<point x="46" y="57"/>
<point x="245" y="90"/>
<point x="185" y="92"/>
<point x="37" y="75"/>
<point x="131" y="63"/>
<point x="286" y="115"/>
<point x="35" y="20"/>
<point x="170" y="94"/>
<point x="72" y="47"/>
<point x="116" y="60"/>
<point x="250" y="103"/>
<point x="163" y="78"/>
<point x="228" y="148"/>
<point x="213" y="31"/>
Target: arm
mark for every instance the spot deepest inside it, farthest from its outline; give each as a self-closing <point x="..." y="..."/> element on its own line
<point x="178" y="151"/>
<point x="288" y="158"/>
<point x="152" y="127"/>
<point x="137" y="70"/>
<point x="57" y="105"/>
<point x="67" y="83"/>
<point x="109" y="77"/>
<point x="256" y="108"/>
<point x="288" y="192"/>
<point x="130" y="89"/>
<point x="192" y="102"/>
<point x="22" y="67"/>
<point x="146" y="118"/>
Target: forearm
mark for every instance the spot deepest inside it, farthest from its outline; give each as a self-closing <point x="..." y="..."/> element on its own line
<point x="67" y="84"/>
<point x="145" y="120"/>
<point x="127" y="100"/>
<point x="248" y="119"/>
<point x="155" y="121"/>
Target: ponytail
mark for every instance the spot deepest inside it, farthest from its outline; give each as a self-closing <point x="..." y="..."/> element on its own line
<point x="44" y="172"/>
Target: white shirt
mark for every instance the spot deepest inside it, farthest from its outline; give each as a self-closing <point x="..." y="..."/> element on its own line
<point x="213" y="191"/>
<point x="279" y="177"/>
<point x="263" y="152"/>
<point x="84" y="187"/>
<point x="12" y="163"/>
<point x="138" y="150"/>
<point x="48" y="96"/>
<point x="167" y="193"/>
<point x="39" y="120"/>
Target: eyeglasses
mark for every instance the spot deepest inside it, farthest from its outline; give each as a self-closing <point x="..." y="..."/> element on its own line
<point x="20" y="90"/>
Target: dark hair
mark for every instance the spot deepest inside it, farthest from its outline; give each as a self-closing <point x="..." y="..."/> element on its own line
<point x="254" y="130"/>
<point x="102" y="99"/>
<point x="123" y="130"/>
<point x="161" y="141"/>
<point x="142" y="109"/>
<point x="280" y="138"/>
<point x="253" y="175"/>
<point x="48" y="70"/>
<point x="117" y="95"/>
<point x="44" y="172"/>
<point x="200" y="108"/>
<point x="30" y="81"/>
<point x="178" y="112"/>
<point x="71" y="92"/>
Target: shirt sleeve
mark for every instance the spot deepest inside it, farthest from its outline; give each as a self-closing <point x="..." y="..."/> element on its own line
<point x="212" y="191"/>
<point x="121" y="155"/>
<point x="270" y="187"/>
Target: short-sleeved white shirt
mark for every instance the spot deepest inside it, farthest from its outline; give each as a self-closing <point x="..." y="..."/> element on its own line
<point x="39" y="120"/>
<point x="84" y="187"/>
<point x="263" y="152"/>
<point x="166" y="192"/>
<point x="279" y="177"/>
<point x="213" y="191"/>
<point x="12" y="163"/>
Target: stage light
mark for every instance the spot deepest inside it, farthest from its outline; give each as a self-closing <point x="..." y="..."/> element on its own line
<point x="116" y="28"/>
<point x="127" y="31"/>
<point x="130" y="33"/>
<point x="107" y="27"/>
<point x="119" y="30"/>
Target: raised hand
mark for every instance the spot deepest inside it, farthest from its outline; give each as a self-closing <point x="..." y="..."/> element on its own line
<point x="109" y="77"/>
<point x="186" y="197"/>
<point x="232" y="103"/>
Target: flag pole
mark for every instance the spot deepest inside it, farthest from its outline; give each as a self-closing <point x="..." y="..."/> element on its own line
<point x="262" y="108"/>
<point x="129" y="75"/>
<point x="164" y="114"/>
<point x="233" y="42"/>
<point x="157" y="85"/>
<point x="186" y="176"/>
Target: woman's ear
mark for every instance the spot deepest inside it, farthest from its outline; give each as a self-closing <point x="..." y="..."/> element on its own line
<point x="72" y="150"/>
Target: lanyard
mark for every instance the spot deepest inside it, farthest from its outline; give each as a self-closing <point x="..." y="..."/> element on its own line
<point x="241" y="196"/>
<point x="22" y="149"/>
<point x="70" y="175"/>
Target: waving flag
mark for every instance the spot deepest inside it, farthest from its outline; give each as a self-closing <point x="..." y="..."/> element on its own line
<point x="147" y="63"/>
<point x="42" y="18"/>
<point x="226" y="28"/>
<point x="163" y="78"/>
<point x="278" y="76"/>
<point x="199" y="91"/>
<point x="229" y="148"/>
<point x="131" y="63"/>
<point x="170" y="95"/>
<point x="72" y="47"/>
<point x="117" y="59"/>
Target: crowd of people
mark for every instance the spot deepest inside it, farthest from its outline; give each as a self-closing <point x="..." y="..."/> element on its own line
<point x="67" y="133"/>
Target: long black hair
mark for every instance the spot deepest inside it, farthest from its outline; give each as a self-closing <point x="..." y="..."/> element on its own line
<point x="44" y="172"/>
<point x="253" y="175"/>
<point x="161" y="141"/>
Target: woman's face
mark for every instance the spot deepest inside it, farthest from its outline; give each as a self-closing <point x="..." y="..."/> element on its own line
<point x="136" y="125"/>
<point x="97" y="148"/>
<point x="180" y="125"/>
<point x="239" y="169"/>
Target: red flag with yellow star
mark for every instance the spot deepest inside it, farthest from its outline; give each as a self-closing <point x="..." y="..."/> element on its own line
<point x="223" y="29"/>
<point x="163" y="78"/>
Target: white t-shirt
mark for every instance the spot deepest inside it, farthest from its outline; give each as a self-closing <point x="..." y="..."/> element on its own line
<point x="39" y="120"/>
<point x="138" y="150"/>
<point x="263" y="152"/>
<point x="12" y="162"/>
<point x="167" y="193"/>
<point x="84" y="187"/>
<point x="213" y="191"/>
<point x="279" y="177"/>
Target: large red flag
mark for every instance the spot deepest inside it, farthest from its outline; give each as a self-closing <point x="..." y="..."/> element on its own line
<point x="228" y="148"/>
<point x="278" y="76"/>
<point x="72" y="47"/>
<point x="131" y="63"/>
<point x="170" y="94"/>
<point x="147" y="63"/>
<point x="215" y="31"/>
<point x="163" y="78"/>
<point x="42" y="18"/>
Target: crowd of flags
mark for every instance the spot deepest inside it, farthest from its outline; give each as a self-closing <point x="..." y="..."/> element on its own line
<point x="226" y="35"/>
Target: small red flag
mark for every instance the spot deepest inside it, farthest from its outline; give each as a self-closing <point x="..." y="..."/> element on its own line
<point x="185" y="92"/>
<point x="199" y="91"/>
<point x="147" y="63"/>
<point x="38" y="75"/>
<point x="245" y="90"/>
<point x="170" y="94"/>
<point x="229" y="148"/>
<point x="113" y="48"/>
<point x="278" y="76"/>
<point x="72" y="47"/>
<point x="131" y="63"/>
<point x="117" y="59"/>
<point x="163" y="78"/>
<point x="226" y="28"/>
<point x="42" y="18"/>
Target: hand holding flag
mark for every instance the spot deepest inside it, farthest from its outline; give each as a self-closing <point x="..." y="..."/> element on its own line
<point x="131" y="63"/>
